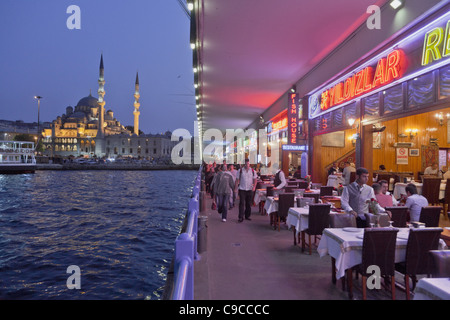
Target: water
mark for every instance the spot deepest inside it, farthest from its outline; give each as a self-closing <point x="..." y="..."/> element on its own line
<point x="118" y="227"/>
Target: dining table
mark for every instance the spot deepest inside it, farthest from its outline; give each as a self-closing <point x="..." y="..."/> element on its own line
<point x="399" y="188"/>
<point x="271" y="204"/>
<point x="344" y="245"/>
<point x="432" y="289"/>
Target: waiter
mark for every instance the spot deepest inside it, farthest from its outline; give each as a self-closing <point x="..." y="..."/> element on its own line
<point x="280" y="179"/>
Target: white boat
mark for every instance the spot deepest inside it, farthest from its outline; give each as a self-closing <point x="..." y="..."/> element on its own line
<point x="17" y="157"/>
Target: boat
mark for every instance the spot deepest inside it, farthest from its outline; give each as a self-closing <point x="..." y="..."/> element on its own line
<point x="17" y="157"/>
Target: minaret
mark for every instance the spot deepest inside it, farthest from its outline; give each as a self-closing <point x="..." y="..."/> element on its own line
<point x="136" y="106"/>
<point x="101" y="102"/>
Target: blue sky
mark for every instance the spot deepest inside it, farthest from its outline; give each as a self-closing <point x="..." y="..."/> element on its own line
<point x="39" y="55"/>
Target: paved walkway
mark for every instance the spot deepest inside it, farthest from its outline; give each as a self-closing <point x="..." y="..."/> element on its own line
<point x="251" y="261"/>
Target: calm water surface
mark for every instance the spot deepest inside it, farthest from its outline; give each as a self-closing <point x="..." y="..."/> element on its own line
<point x="118" y="227"/>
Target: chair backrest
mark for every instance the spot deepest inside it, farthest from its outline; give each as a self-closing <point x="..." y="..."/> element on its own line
<point x="447" y="192"/>
<point x="301" y="202"/>
<point x="326" y="191"/>
<point x="420" y="241"/>
<point x="319" y="218"/>
<point x="285" y="201"/>
<point x="342" y="220"/>
<point x="289" y="189"/>
<point x="352" y="176"/>
<point x="379" y="249"/>
<point x="430" y="216"/>
<point x="383" y="219"/>
<point x="440" y="263"/>
<point x="399" y="216"/>
<point x="430" y="189"/>
<point x="315" y="196"/>
<point x="384" y="176"/>
<point x="292" y="183"/>
<point x="302" y="185"/>
<point x="269" y="191"/>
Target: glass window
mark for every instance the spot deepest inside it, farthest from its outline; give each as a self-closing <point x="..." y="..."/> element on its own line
<point x="444" y="82"/>
<point x="351" y="111"/>
<point x="372" y="105"/>
<point x="421" y="90"/>
<point x="393" y="99"/>
<point x="336" y="117"/>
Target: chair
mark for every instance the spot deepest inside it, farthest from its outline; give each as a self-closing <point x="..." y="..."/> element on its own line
<point x="285" y="202"/>
<point x="318" y="219"/>
<point x="383" y="219"/>
<point x="420" y="242"/>
<point x="440" y="263"/>
<point x="292" y="183"/>
<point x="446" y="200"/>
<point x="342" y="220"/>
<point x="430" y="189"/>
<point x="269" y="192"/>
<point x="301" y="202"/>
<point x="326" y="191"/>
<point x="303" y="185"/>
<point x="352" y="176"/>
<point x="315" y="196"/>
<point x="378" y="250"/>
<point x="399" y="216"/>
<point x="430" y="216"/>
<point x="289" y="189"/>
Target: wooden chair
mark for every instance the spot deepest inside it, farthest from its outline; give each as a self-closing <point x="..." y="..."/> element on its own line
<point x="342" y="220"/>
<point x="285" y="201"/>
<point x="289" y="189"/>
<point x="326" y="191"/>
<point x="440" y="263"/>
<point x="318" y="219"/>
<point x="315" y="196"/>
<point x="446" y="200"/>
<point x="292" y="183"/>
<point x="269" y="192"/>
<point x="379" y="250"/>
<point x="302" y="185"/>
<point x="420" y="242"/>
<point x="430" y="190"/>
<point x="352" y="176"/>
<point x="430" y="216"/>
<point x="399" y="216"/>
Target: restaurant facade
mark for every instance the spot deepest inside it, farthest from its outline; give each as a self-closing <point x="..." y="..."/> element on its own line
<point x="391" y="109"/>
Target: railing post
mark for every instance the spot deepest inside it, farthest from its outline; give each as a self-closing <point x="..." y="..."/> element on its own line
<point x="184" y="251"/>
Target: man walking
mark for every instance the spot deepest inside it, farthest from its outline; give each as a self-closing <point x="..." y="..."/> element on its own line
<point x="225" y="186"/>
<point x="246" y="182"/>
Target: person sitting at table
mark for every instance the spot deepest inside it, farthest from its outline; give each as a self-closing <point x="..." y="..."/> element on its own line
<point x="445" y="173"/>
<point x="384" y="200"/>
<point x="298" y="173"/>
<point x="432" y="170"/>
<point x="384" y="190"/>
<point x="346" y="174"/>
<point x="334" y="169"/>
<point x="382" y="167"/>
<point x="414" y="202"/>
<point x="280" y="179"/>
<point x="355" y="196"/>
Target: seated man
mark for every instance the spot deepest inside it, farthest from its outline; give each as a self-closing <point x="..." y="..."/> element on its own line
<point x="414" y="202"/>
<point x="384" y="200"/>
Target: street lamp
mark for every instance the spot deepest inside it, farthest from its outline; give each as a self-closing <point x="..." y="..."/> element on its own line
<point x="39" y="106"/>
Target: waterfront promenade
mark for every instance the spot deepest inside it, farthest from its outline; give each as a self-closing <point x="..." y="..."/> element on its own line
<point x="251" y="261"/>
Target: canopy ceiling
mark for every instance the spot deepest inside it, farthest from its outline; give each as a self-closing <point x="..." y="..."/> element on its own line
<point x="253" y="51"/>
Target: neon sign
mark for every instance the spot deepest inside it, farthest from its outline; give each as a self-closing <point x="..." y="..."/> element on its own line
<point x="293" y="118"/>
<point x="387" y="70"/>
<point x="432" y="42"/>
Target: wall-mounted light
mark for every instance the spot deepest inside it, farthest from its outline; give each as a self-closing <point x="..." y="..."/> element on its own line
<point x="396" y="4"/>
<point x="190" y="6"/>
<point x="412" y="132"/>
<point x="440" y="118"/>
<point x="351" y="122"/>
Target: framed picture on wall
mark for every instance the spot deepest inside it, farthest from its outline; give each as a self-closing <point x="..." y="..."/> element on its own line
<point x="414" y="152"/>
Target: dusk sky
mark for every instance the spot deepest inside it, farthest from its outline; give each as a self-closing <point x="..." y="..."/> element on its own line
<point x="39" y="55"/>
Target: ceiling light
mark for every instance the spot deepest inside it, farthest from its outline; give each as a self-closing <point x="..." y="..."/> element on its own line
<point x="395" y="4"/>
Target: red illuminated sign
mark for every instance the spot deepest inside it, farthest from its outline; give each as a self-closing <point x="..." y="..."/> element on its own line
<point x="365" y="80"/>
<point x="293" y="118"/>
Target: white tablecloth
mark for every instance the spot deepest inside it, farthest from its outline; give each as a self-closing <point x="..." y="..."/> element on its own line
<point x="399" y="189"/>
<point x="346" y="247"/>
<point x="260" y="195"/>
<point x="334" y="180"/>
<point x="298" y="218"/>
<point x="432" y="289"/>
<point x="271" y="205"/>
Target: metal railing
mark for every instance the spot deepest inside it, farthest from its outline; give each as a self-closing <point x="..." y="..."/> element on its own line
<point x="186" y="248"/>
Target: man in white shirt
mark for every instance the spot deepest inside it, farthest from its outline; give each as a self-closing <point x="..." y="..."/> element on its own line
<point x="415" y="202"/>
<point x="432" y="170"/>
<point x="355" y="196"/>
<point x="246" y="182"/>
<point x="233" y="172"/>
<point x="348" y="169"/>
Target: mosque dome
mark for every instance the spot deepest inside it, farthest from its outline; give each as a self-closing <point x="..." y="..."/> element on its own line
<point x="89" y="101"/>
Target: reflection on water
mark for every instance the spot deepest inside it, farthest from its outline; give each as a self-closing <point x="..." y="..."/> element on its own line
<point x="119" y="227"/>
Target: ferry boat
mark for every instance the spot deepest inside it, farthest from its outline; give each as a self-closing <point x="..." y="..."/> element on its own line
<point x="17" y="157"/>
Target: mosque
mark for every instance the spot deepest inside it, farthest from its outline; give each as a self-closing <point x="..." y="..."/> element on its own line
<point x="89" y="131"/>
